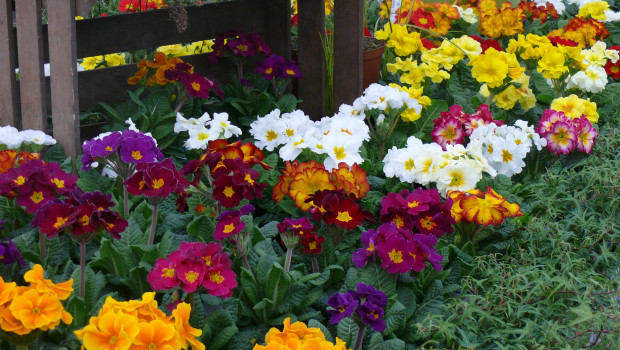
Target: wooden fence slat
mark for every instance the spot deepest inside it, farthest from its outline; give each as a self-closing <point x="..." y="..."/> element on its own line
<point x="311" y="61"/>
<point x="348" y="32"/>
<point x="9" y="105"/>
<point x="31" y="77"/>
<point x="63" y="75"/>
<point x="278" y="27"/>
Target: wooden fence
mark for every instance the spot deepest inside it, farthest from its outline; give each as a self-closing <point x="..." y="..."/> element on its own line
<point x="29" y="45"/>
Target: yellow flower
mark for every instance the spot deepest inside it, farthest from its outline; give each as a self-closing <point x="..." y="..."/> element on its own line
<point x="187" y="333"/>
<point x="175" y="50"/>
<point x="551" y="65"/>
<point x="156" y="334"/>
<point x="37" y="310"/>
<point x="410" y="115"/>
<point x="35" y="278"/>
<point x="298" y="336"/>
<point x="7" y="291"/>
<point x="573" y="107"/>
<point x="113" y="331"/>
<point x="490" y="68"/>
<point x="403" y="42"/>
<point x="433" y="71"/>
<point x="90" y="63"/>
<point x="595" y="10"/>
<point x="114" y="60"/>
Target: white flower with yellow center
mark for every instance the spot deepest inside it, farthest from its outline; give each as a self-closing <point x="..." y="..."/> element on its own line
<point x="342" y="148"/>
<point x="350" y="126"/>
<point x="508" y="157"/>
<point x="294" y="146"/>
<point x="183" y="124"/>
<point x="295" y="123"/>
<point x="268" y="131"/>
<point x="221" y="125"/>
<point x="199" y="137"/>
<point x="427" y="163"/>
<point x="593" y="79"/>
<point x="457" y="176"/>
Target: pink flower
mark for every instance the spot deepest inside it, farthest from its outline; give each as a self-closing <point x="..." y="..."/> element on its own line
<point x="448" y="131"/>
<point x="191" y="272"/>
<point x="220" y="281"/>
<point x="163" y="276"/>
<point x="586" y="135"/>
<point x="561" y="138"/>
<point x="395" y="255"/>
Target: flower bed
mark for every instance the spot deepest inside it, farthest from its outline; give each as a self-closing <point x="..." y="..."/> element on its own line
<point x="469" y="200"/>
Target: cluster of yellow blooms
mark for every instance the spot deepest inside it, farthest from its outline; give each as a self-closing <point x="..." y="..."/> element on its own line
<point x="178" y="50"/>
<point x="36" y="307"/>
<point x="442" y="14"/>
<point x="496" y="22"/>
<point x="139" y="324"/>
<point x="111" y="60"/>
<point x="573" y="107"/>
<point x="298" y="336"/>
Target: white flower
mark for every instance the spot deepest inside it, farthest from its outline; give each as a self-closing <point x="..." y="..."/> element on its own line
<point x="467" y="15"/>
<point x="593" y="79"/>
<point x="220" y="124"/>
<point x="295" y="123"/>
<point x="351" y="126"/>
<point x="199" y="137"/>
<point x="356" y="110"/>
<point x="508" y="157"/>
<point x="183" y="124"/>
<point x="340" y="148"/>
<point x="10" y="137"/>
<point x="33" y="136"/>
<point x="458" y="176"/>
<point x="474" y="151"/>
<point x="293" y="147"/>
<point x="132" y="125"/>
<point x="268" y="131"/>
<point x="427" y="164"/>
<point x="399" y="163"/>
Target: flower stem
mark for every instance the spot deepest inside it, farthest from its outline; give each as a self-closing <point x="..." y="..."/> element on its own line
<point x="359" y="338"/>
<point x="315" y="265"/>
<point x="42" y="247"/>
<point x="125" y="202"/>
<point x="289" y="257"/>
<point x="82" y="269"/>
<point x="153" y="225"/>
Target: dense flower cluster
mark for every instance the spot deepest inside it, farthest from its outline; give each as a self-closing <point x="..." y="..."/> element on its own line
<point x="482" y="208"/>
<point x="36" y="307"/>
<point x="140" y="5"/>
<point x="275" y="66"/>
<point x="412" y="222"/>
<point x="35" y="183"/>
<point x="564" y="134"/>
<point x="505" y="147"/>
<point x="230" y="166"/>
<point x="139" y="324"/>
<point x="337" y="207"/>
<point x="454" y="125"/>
<point x="366" y="305"/>
<point x="294" y="230"/>
<point x="298" y="336"/>
<point x="456" y="168"/>
<point x="81" y="215"/>
<point x="205" y="129"/>
<point x="10" y="158"/>
<point x="157" y="180"/>
<point x="229" y="222"/>
<point x="301" y="180"/>
<point x="433" y="16"/>
<point x="236" y="44"/>
<point x="12" y="138"/>
<point x="193" y="265"/>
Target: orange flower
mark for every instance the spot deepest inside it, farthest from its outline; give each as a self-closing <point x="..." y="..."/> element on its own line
<point x="112" y="331"/>
<point x="483" y="208"/>
<point x="308" y="182"/>
<point x="35" y="278"/>
<point x="352" y="180"/>
<point x="187" y="333"/>
<point x="37" y="310"/>
<point x="7" y="160"/>
<point x="157" y="334"/>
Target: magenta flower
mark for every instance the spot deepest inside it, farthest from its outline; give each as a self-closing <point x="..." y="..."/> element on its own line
<point x="54" y="216"/>
<point x="191" y="272"/>
<point x="157" y="179"/>
<point x="448" y="132"/>
<point x="220" y="281"/>
<point x="270" y="68"/>
<point x="197" y="85"/>
<point x="138" y="148"/>
<point x="586" y="135"/>
<point x="163" y="276"/>
<point x="290" y="69"/>
<point x="9" y="252"/>
<point x="228" y="223"/>
<point x="395" y="255"/>
<point x="424" y="250"/>
<point x="561" y="138"/>
<point x="372" y="315"/>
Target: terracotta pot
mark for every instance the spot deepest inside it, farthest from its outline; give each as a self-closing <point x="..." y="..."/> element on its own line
<point x="371" y="66"/>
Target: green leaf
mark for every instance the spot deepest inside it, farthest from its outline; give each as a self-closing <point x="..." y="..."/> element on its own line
<point x="113" y="259"/>
<point x="432" y="303"/>
<point x="313" y="296"/>
<point x="201" y="227"/>
<point x="111" y="112"/>
<point x="77" y="308"/>
<point x="347" y="330"/>
<point x="287" y="103"/>
<point x="132" y="235"/>
<point x="331" y="272"/>
<point x="223" y="336"/>
<point x="544" y="98"/>
<point x="373" y="274"/>
<point x="541" y="84"/>
<point x="392" y="344"/>
<point x="278" y="282"/>
<point x="248" y="285"/>
<point x="394" y="317"/>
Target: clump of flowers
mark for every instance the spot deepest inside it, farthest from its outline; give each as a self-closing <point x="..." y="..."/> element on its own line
<point x="228" y="170"/>
<point x="35" y="183"/>
<point x="298" y="336"/>
<point x="12" y="138"/>
<point x="564" y="134"/>
<point x="229" y="224"/>
<point x="193" y="265"/>
<point x="505" y="147"/>
<point x="454" y="125"/>
<point x="140" y="324"/>
<point x="574" y="107"/>
<point x="301" y="180"/>
<point x="205" y="129"/>
<point x="457" y="168"/>
<point x="279" y="72"/>
<point x="366" y="306"/>
<point x="291" y="232"/>
<point x="495" y="22"/>
<point x="25" y="310"/>
<point x="10" y="159"/>
<point x="337" y="208"/>
<point x="482" y="208"/>
<point x="585" y="32"/>
<point x="236" y="44"/>
<point x="133" y="6"/>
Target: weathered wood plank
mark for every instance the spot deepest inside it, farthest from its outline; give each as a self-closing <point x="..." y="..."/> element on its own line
<point x="311" y="60"/>
<point x="348" y="32"/>
<point x="63" y="75"/>
<point x="278" y="27"/>
<point x="9" y="104"/>
<point x="32" y="80"/>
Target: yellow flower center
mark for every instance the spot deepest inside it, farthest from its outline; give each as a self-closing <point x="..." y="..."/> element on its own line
<point x="344" y="216"/>
<point x="228" y="191"/>
<point x="20" y="180"/>
<point x="84" y="220"/>
<point x="242" y="48"/>
<point x="423" y="21"/>
<point x="229" y="228"/>
<point x="167" y="272"/>
<point x="113" y="340"/>
<point x="108" y="148"/>
<point x="427" y="222"/>
<point x="136" y="155"/>
<point x="59" y="183"/>
<point x="158" y="183"/>
<point x="292" y="72"/>
<point x="152" y="346"/>
<point x="371" y="247"/>
<point x="268" y="70"/>
<point x="506" y="156"/>
<point x="339" y="152"/>
<point x="216" y="277"/>
<point x="312" y="245"/>
<point x="203" y="136"/>
<point x="36" y="197"/>
<point x="398" y="221"/>
<point x="490" y="149"/>
<point x="413" y="204"/>
<point x="271" y="135"/>
<point x="191" y="276"/>
<point x="196" y="86"/>
<point x="396" y="256"/>
<point x="290" y="132"/>
<point x="207" y="260"/>
<point x="36" y="310"/>
<point x="409" y="164"/>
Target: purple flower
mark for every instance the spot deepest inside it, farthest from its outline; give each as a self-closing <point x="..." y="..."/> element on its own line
<point x="343" y="304"/>
<point x="259" y="44"/>
<point x="360" y="257"/>
<point x="270" y="68"/>
<point x="366" y="292"/>
<point x="139" y="148"/>
<point x="8" y="251"/>
<point x="372" y="315"/>
<point x="290" y="70"/>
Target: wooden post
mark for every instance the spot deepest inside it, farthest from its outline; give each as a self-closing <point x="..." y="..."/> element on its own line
<point x="9" y="105"/>
<point x="64" y="79"/>
<point x="311" y="60"/>
<point x="348" y="32"/>
<point x="278" y="27"/>
<point x="31" y="76"/>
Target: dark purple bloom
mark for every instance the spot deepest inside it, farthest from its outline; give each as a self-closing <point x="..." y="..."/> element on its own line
<point x="241" y="46"/>
<point x="290" y="70"/>
<point x="138" y="148"/>
<point x="372" y="315"/>
<point x="366" y="293"/>
<point x="270" y="68"/>
<point x="8" y="251"/>
<point x="246" y="209"/>
<point x="360" y="257"/>
<point x="299" y="226"/>
<point x="343" y="304"/>
<point x="259" y="44"/>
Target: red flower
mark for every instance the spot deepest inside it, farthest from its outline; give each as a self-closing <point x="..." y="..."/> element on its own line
<point x="312" y="243"/>
<point x="156" y="179"/>
<point x="228" y="223"/>
<point x="54" y="217"/>
<point x="334" y="207"/>
<point x="422" y="19"/>
<point x="613" y="69"/>
<point x="163" y="276"/>
<point x="226" y="192"/>
<point x="197" y="85"/>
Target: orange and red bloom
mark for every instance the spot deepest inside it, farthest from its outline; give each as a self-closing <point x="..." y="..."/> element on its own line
<point x="482" y="208"/>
